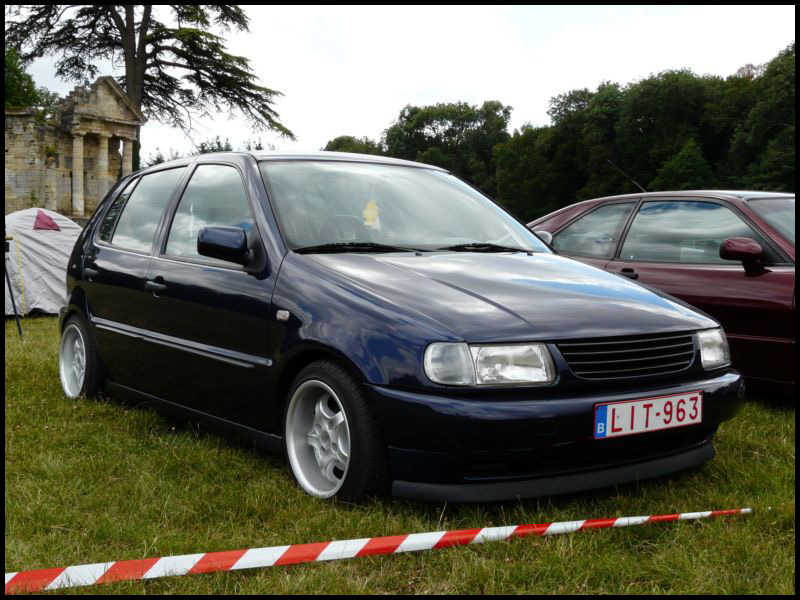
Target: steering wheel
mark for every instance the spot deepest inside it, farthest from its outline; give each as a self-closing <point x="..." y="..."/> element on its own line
<point x="345" y="228"/>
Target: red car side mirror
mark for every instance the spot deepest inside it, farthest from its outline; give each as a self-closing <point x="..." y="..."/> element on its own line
<point x="746" y="250"/>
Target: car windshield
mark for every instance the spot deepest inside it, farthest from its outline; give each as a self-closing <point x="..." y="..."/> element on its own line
<point x="372" y="206"/>
<point x="778" y="212"/>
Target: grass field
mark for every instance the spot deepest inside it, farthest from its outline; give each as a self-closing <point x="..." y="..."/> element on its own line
<point x="90" y="481"/>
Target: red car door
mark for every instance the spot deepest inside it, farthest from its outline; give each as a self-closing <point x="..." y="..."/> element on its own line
<point x="673" y="245"/>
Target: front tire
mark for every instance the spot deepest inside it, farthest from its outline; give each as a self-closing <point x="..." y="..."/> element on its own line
<point x="331" y="436"/>
<point x="77" y="360"/>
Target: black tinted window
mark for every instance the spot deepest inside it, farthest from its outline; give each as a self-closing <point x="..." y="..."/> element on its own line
<point x="596" y="233"/>
<point x="112" y="214"/>
<point x="215" y="197"/>
<point x="142" y="212"/>
<point x="683" y="232"/>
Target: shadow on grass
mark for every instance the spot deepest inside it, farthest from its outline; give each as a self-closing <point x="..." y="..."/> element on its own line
<point x="777" y="403"/>
<point x="496" y="512"/>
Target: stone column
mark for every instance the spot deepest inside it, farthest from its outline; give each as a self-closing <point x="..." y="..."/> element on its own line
<point x="102" y="165"/>
<point x="77" y="174"/>
<point x="127" y="156"/>
<point x="50" y="198"/>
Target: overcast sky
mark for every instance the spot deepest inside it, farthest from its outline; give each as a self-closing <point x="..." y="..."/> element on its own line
<point x="349" y="70"/>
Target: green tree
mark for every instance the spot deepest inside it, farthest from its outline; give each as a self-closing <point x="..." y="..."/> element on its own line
<point x="687" y="170"/>
<point x="349" y="143"/>
<point x="599" y="138"/>
<point x="20" y="90"/>
<point x="175" y="67"/>
<point x="159" y="157"/>
<point x="213" y="145"/>
<point x="256" y="145"/>
<point x="657" y="117"/>
<point x="763" y="146"/>
<point x="567" y="105"/>
<point x="458" y="136"/>
<point x="525" y="182"/>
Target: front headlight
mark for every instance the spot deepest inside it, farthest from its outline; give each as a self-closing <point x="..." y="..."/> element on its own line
<point x="449" y="364"/>
<point x="458" y="364"/>
<point x="714" y="352"/>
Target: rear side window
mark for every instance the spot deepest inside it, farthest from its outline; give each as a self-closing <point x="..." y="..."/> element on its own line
<point x="595" y="233"/>
<point x="681" y="231"/>
<point x="215" y="197"/>
<point x="142" y="211"/>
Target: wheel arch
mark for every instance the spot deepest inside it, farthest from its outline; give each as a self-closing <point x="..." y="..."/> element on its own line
<point x="296" y="362"/>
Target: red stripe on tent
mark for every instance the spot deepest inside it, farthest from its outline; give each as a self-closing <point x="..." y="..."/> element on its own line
<point x="597" y="523"/>
<point x="523" y="530"/>
<point x="32" y="581"/>
<point x="300" y="553"/>
<point x="457" y="538"/>
<point x="128" y="569"/>
<point x="660" y="518"/>
<point x="382" y="545"/>
<point x="217" y="561"/>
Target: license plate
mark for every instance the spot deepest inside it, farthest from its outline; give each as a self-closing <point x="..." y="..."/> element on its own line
<point x="614" y="419"/>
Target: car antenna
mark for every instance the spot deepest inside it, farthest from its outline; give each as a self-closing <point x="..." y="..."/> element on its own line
<point x="626" y="175"/>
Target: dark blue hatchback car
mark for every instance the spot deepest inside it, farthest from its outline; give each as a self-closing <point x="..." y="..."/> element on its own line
<point x="388" y="327"/>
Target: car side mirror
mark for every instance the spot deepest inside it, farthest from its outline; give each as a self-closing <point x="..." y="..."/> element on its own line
<point x="746" y="250"/>
<point x="545" y="236"/>
<point x="224" y="243"/>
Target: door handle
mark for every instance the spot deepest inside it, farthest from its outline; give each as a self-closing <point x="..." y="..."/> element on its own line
<point x="155" y="285"/>
<point x="629" y="273"/>
<point x="89" y="272"/>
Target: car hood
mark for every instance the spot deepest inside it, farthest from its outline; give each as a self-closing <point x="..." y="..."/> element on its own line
<point x="512" y="297"/>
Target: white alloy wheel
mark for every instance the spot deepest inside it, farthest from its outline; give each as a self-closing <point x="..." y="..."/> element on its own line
<point x="72" y="360"/>
<point x="318" y="438"/>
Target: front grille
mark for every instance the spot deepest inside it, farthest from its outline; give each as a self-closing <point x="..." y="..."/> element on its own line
<point x="585" y="455"/>
<point x="629" y="357"/>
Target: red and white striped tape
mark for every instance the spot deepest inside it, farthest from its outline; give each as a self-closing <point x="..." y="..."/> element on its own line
<point x="208" y="562"/>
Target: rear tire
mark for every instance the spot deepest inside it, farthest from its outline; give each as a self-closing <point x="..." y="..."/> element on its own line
<point x="331" y="435"/>
<point x="78" y="363"/>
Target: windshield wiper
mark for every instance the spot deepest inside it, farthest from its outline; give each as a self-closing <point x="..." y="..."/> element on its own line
<point x="353" y="247"/>
<point x="483" y="247"/>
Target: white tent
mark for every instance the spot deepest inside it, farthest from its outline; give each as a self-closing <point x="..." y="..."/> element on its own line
<point x="39" y="250"/>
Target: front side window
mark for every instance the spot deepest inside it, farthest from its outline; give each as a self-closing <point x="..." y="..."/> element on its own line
<point x="595" y="233"/>
<point x="680" y="231"/>
<point x="142" y="212"/>
<point x="778" y="212"/>
<point x="333" y="202"/>
<point x="214" y="197"/>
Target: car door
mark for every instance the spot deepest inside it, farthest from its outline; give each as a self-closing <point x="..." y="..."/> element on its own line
<point x="673" y="245"/>
<point x="114" y="270"/>
<point x="209" y="319"/>
<point x="593" y="237"/>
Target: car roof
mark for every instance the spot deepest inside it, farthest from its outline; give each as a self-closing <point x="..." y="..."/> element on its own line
<point x="736" y="196"/>
<point x="740" y="194"/>
<point x="347" y="156"/>
<point x="307" y="155"/>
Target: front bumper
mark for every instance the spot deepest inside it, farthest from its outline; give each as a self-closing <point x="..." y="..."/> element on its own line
<point x="472" y="449"/>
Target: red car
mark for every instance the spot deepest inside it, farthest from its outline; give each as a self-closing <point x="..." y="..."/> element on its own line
<point x="730" y="254"/>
